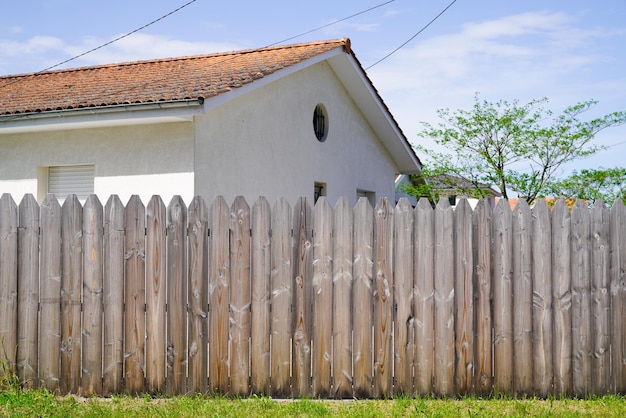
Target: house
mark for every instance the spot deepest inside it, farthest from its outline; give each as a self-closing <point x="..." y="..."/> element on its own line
<point x="294" y="120"/>
<point x="447" y="186"/>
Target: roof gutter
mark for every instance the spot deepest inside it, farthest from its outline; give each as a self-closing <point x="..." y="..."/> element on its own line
<point x="125" y="107"/>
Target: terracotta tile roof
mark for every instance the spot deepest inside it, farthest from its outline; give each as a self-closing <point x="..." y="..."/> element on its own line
<point x="170" y="79"/>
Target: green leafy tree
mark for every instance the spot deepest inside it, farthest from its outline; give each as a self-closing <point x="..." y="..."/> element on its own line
<point x="606" y="184"/>
<point x="514" y="147"/>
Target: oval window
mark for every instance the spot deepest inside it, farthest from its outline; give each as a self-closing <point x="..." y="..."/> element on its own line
<point x="320" y="122"/>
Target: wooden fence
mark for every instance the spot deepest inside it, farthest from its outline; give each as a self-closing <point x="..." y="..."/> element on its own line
<point x="325" y="302"/>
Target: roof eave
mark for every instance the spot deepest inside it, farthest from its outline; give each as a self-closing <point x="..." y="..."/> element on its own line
<point x="92" y="117"/>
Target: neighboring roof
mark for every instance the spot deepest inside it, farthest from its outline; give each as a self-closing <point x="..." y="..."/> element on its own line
<point x="449" y="182"/>
<point x="159" y="80"/>
<point x="129" y="85"/>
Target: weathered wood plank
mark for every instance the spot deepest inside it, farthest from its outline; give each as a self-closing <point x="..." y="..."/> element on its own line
<point x="543" y="366"/>
<point x="113" y="296"/>
<point x="342" y="299"/>
<point x="522" y="299"/>
<point x="502" y="288"/>
<point x="219" y="279"/>
<point x="71" y="287"/>
<point x="156" y="271"/>
<point x="260" y="294"/>
<point x="600" y="298"/>
<point x="423" y="300"/>
<point x="198" y="247"/>
<point x="403" y="341"/>
<point x="444" y="300"/>
<point x="28" y="291"/>
<point x="483" y="348"/>
<point x="383" y="298"/>
<point x="362" y="299"/>
<point x="176" y="321"/>
<point x="562" y="299"/>
<point x="240" y="296"/>
<point x="302" y="298"/>
<point x="464" y="295"/>
<point x="92" y="227"/>
<point x="135" y="296"/>
<point x="281" y="297"/>
<point x="580" y="222"/>
<point x="618" y="296"/>
<point x="322" y="295"/>
<point x="8" y="284"/>
<point x="50" y="293"/>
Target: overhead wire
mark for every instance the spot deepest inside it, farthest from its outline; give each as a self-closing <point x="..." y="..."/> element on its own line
<point x="412" y="37"/>
<point x="106" y="43"/>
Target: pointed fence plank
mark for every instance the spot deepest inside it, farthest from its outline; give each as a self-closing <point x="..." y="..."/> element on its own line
<point x="50" y="293"/>
<point x="543" y="369"/>
<point x="71" y="297"/>
<point x="281" y="297"/>
<point x="562" y="299"/>
<point x="600" y="298"/>
<point x="483" y="349"/>
<point x="618" y="296"/>
<point x="322" y="295"/>
<point x="383" y="298"/>
<point x="423" y="300"/>
<point x="240" y="296"/>
<point x="342" y="299"/>
<point x="92" y="297"/>
<point x="444" y="300"/>
<point x="135" y="296"/>
<point x="8" y="284"/>
<point x="463" y="293"/>
<point x="362" y="305"/>
<point x="176" y="343"/>
<point x="197" y="267"/>
<point x="502" y="288"/>
<point x="522" y="299"/>
<point x="113" y="296"/>
<point x="302" y="299"/>
<point x="219" y="278"/>
<point x="28" y="291"/>
<point x="403" y="341"/>
<point x="580" y="222"/>
<point x="156" y="265"/>
<point x="260" y="297"/>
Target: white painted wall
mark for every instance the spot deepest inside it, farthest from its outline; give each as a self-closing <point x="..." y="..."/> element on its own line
<point x="138" y="159"/>
<point x="263" y="143"/>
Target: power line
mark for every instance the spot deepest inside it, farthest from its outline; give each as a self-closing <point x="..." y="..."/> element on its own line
<point x="331" y="23"/>
<point x="107" y="43"/>
<point x="413" y="37"/>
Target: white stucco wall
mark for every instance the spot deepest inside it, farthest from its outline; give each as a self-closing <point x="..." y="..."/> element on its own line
<point x="263" y="143"/>
<point x="138" y="159"/>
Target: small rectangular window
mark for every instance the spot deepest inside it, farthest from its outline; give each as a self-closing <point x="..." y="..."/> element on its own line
<point x="71" y="179"/>
<point x="319" y="189"/>
<point x="371" y="196"/>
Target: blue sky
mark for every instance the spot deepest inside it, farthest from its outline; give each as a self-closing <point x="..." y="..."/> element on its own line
<point x="568" y="51"/>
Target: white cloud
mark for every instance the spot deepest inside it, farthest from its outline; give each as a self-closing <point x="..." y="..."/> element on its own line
<point x="525" y="56"/>
<point x="40" y="52"/>
<point x="143" y="46"/>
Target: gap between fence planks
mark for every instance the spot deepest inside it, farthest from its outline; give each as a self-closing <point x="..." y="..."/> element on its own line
<point x="313" y="300"/>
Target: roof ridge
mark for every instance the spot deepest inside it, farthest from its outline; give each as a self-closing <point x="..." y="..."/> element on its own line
<point x="341" y="41"/>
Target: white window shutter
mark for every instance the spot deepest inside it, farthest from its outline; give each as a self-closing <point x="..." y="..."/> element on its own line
<point x="71" y="179"/>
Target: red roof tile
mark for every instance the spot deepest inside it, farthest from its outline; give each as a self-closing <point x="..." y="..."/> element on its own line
<point x="169" y="79"/>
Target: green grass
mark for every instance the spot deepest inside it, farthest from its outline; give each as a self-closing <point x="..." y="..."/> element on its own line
<point x="15" y="402"/>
